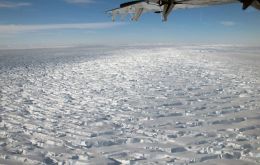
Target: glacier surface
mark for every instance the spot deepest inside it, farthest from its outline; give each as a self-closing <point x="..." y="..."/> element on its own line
<point x="130" y="105"/>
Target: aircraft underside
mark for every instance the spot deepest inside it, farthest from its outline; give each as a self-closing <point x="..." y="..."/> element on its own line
<point x="165" y="7"/>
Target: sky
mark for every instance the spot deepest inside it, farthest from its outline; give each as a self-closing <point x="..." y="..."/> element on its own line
<point x="50" y="23"/>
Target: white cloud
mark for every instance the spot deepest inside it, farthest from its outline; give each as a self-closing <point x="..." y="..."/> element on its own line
<point x="79" y="1"/>
<point x="228" y="23"/>
<point x="32" y="28"/>
<point x="6" y="4"/>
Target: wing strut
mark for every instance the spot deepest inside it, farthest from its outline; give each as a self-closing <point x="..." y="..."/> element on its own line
<point x="137" y="14"/>
<point x="167" y="8"/>
<point x="113" y="16"/>
<point x="168" y="5"/>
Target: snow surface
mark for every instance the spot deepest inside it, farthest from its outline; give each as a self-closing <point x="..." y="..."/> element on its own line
<point x="130" y="105"/>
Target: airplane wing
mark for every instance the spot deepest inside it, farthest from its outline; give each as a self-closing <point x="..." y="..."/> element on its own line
<point x="135" y="8"/>
<point x="165" y="7"/>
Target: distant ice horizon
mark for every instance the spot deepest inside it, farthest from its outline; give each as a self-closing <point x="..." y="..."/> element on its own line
<point x="53" y="46"/>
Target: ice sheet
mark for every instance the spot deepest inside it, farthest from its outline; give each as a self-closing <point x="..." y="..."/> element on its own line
<point x="130" y="105"/>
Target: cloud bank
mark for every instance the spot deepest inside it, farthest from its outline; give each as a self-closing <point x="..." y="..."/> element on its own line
<point x="79" y="1"/>
<point x="6" y="4"/>
<point x="228" y="23"/>
<point x="33" y="28"/>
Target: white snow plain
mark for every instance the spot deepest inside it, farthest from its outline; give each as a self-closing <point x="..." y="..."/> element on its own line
<point x="130" y="105"/>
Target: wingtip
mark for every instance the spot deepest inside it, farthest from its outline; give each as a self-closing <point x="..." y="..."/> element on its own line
<point x="108" y="11"/>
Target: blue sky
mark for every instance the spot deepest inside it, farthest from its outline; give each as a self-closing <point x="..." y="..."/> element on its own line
<point x="38" y="23"/>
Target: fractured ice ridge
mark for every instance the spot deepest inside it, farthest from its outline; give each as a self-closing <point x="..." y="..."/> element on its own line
<point x="130" y="105"/>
